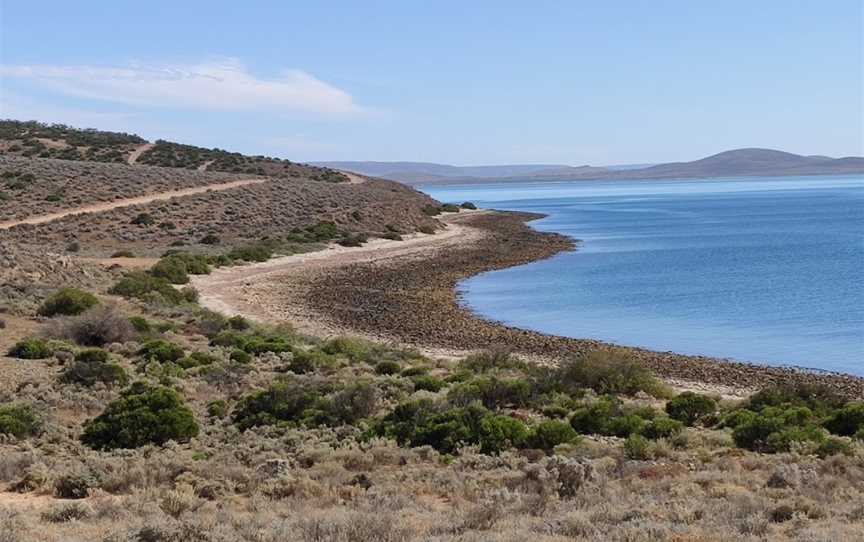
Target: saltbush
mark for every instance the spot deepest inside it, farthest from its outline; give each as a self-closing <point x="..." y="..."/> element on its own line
<point x="492" y="391"/>
<point x="387" y="368"/>
<point x="92" y="366"/>
<point x="662" y="427"/>
<point x="67" y="301"/>
<point x="161" y="351"/>
<point x="550" y="433"/>
<point x="144" y="414"/>
<point x="689" y="407"/>
<point x="847" y="421"/>
<point x="142" y="285"/>
<point x="31" y="348"/>
<point x="282" y="402"/>
<point x="428" y="383"/>
<point x="97" y="326"/>
<point x="19" y="421"/>
<point x="604" y="371"/>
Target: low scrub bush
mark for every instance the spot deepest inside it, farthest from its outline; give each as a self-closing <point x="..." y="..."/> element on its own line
<point x="18" y="421"/>
<point x="142" y="285"/>
<point x="428" y="383"/>
<point x="143" y="414"/>
<point x="196" y="359"/>
<point x="608" y="417"/>
<point x="847" y="421"/>
<point x="604" y="371"/>
<point x="67" y="301"/>
<point x="469" y="205"/>
<point x="161" y="351"/>
<point x="31" y="348"/>
<point x="662" y="427"/>
<point x="550" y="433"/>
<point x="98" y="326"/>
<point x="421" y="423"/>
<point x="92" y="366"/>
<point x="492" y="392"/>
<point x="176" y="267"/>
<point x="287" y="402"/>
<point x="388" y="368"/>
<point x="689" y="407"/>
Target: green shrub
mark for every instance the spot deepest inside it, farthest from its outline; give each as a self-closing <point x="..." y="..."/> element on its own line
<point x="19" y="421"/>
<point x="141" y="285"/>
<point x="662" y="428"/>
<point x="834" y="446"/>
<point x="354" y="402"/>
<point x="637" y="447"/>
<point x="240" y="356"/>
<point x="775" y="430"/>
<point x="196" y="359"/>
<point x="67" y="301"/>
<point x="450" y="208"/>
<point x="428" y="383"/>
<point x="492" y="391"/>
<point x="143" y="219"/>
<point x="92" y="366"/>
<point x="310" y="361"/>
<point x="141" y="324"/>
<point x="608" y="417"/>
<point x="353" y="240"/>
<point x="494" y="359"/>
<point x="143" y="414"/>
<point x="499" y="433"/>
<point x="123" y="254"/>
<point x="31" y="348"/>
<point x="816" y="397"/>
<point x="357" y="350"/>
<point x="171" y="269"/>
<point x="210" y="239"/>
<point x="847" y="421"/>
<point x="238" y="323"/>
<point x="283" y="402"/>
<point x="258" y="252"/>
<point x="550" y="433"/>
<point x="604" y="371"/>
<point x="689" y="407"/>
<point x="469" y="205"/>
<point x="217" y="408"/>
<point x="387" y="368"/>
<point x="161" y="351"/>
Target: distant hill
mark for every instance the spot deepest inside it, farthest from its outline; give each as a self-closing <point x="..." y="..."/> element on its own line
<point x="734" y="163"/>
<point x="421" y="172"/>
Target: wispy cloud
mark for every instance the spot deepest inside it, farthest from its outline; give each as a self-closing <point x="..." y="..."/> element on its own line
<point x="223" y="85"/>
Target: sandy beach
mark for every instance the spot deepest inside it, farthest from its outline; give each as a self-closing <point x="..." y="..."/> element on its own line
<point x="404" y="292"/>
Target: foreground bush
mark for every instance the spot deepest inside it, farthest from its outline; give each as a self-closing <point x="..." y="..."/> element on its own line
<point x="144" y="414"/>
<point x="92" y="366"/>
<point x="689" y="407"/>
<point x="142" y="285"/>
<point x="67" y="301"/>
<point x="604" y="371"/>
<point x="98" y="326"/>
<point x="283" y="402"/>
<point x="847" y="421"/>
<point x="31" y="348"/>
<point x="161" y="351"/>
<point x="176" y="267"/>
<point x="550" y="433"/>
<point x="18" y="420"/>
<point x="422" y="423"/>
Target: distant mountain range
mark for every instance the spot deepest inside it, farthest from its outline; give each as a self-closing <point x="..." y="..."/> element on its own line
<point x="734" y="163"/>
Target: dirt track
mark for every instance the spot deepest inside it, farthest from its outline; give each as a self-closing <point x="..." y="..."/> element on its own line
<point x="107" y="206"/>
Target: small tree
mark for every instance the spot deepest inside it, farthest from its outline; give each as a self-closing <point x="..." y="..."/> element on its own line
<point x="144" y="414"/>
<point x="689" y="407"/>
<point x="68" y="301"/>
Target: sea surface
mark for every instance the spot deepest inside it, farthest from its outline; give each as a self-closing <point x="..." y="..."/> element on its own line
<point x="766" y="270"/>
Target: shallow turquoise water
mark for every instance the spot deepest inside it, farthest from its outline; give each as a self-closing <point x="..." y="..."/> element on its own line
<point x="762" y="269"/>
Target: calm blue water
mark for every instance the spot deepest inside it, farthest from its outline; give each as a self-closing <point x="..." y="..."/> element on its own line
<point x="764" y="270"/>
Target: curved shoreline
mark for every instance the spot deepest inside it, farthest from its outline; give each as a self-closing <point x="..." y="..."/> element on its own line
<point x="409" y="296"/>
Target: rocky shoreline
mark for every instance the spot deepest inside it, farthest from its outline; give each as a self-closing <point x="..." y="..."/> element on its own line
<point x="413" y="299"/>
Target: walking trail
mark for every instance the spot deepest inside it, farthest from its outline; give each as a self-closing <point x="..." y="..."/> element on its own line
<point x="136" y="154"/>
<point x="127" y="202"/>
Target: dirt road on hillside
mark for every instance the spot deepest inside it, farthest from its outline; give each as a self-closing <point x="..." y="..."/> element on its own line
<point x="127" y="202"/>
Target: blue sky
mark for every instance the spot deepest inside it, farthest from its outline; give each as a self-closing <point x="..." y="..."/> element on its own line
<point x="457" y="82"/>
